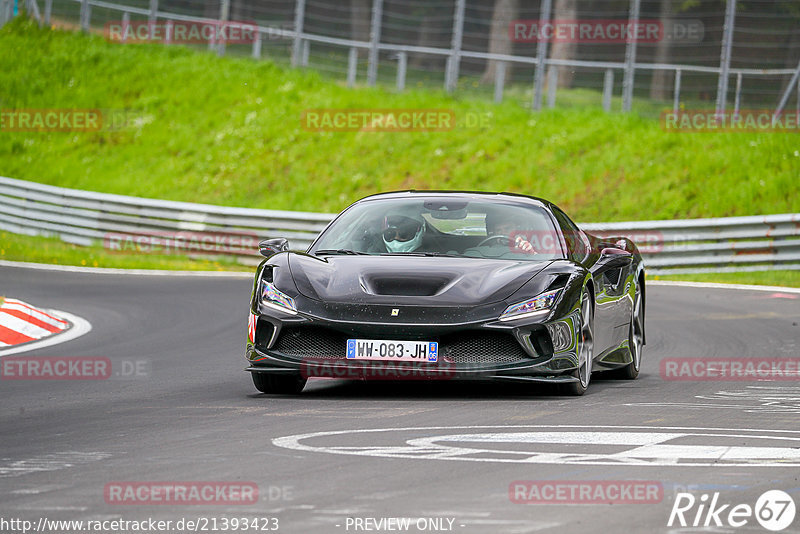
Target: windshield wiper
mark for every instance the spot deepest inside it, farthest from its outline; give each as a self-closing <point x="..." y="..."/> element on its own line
<point x="426" y="254"/>
<point x="342" y="251"/>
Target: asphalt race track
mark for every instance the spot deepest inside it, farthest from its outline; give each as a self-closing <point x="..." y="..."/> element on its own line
<point x="444" y="453"/>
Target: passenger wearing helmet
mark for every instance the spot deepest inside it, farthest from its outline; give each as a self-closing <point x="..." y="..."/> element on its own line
<point x="403" y="233"/>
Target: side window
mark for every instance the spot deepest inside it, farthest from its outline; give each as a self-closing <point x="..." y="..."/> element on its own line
<point x="576" y="242"/>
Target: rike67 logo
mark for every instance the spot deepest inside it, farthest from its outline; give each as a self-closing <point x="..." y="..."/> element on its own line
<point x="774" y="510"/>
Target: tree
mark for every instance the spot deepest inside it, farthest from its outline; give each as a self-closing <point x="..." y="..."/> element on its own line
<point x="564" y="10"/>
<point x="505" y="11"/>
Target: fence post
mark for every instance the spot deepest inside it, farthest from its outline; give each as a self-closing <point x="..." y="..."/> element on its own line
<point x="126" y="21"/>
<point x="541" y="57"/>
<point x="608" y="89"/>
<point x="451" y="73"/>
<point x="151" y="17"/>
<point x="168" y="33"/>
<point x="630" y="57"/>
<point x="737" y="100"/>
<point x="402" y="61"/>
<point x="85" y="15"/>
<point x="352" y="66"/>
<point x="676" y="93"/>
<point x="725" y="55"/>
<point x="299" y="19"/>
<point x="552" y="85"/>
<point x="305" y="53"/>
<point x="257" y="44"/>
<point x="224" y="13"/>
<point x="48" y="10"/>
<point x="374" y="39"/>
<point x="499" y="80"/>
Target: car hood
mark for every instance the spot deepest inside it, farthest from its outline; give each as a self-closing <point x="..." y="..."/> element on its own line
<point x="417" y="280"/>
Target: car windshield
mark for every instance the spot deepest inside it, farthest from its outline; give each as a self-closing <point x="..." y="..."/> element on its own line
<point x="442" y="226"/>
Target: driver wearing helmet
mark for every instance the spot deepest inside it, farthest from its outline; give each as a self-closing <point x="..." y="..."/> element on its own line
<point x="499" y="224"/>
<point x="403" y="233"/>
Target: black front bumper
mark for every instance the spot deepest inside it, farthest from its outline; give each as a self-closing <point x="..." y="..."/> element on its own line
<point x="316" y="346"/>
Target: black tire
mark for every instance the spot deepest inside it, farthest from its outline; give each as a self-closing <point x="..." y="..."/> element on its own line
<point x="289" y="384"/>
<point x="635" y="338"/>
<point x="585" y="348"/>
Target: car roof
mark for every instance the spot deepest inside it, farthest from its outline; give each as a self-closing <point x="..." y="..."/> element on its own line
<point x="466" y="195"/>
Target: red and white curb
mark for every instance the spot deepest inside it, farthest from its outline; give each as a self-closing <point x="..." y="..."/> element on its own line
<point x="24" y="327"/>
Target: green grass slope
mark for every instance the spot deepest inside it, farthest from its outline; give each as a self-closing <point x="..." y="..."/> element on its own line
<point x="228" y="131"/>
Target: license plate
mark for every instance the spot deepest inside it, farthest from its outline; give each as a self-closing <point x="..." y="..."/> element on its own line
<point x="395" y="351"/>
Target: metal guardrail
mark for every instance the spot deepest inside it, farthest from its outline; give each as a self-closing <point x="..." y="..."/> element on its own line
<point x="82" y="217"/>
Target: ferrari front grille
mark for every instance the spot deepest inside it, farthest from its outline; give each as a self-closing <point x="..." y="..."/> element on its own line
<point x="311" y="343"/>
<point x="482" y="347"/>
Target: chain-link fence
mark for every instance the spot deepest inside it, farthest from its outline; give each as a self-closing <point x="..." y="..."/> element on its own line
<point x="691" y="54"/>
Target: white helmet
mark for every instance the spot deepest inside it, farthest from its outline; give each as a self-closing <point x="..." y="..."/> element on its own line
<point x="403" y="233"/>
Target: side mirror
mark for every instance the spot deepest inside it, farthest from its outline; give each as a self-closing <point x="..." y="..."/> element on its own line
<point x="268" y="247"/>
<point x="615" y="258"/>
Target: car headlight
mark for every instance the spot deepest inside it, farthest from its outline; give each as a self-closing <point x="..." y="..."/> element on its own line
<point x="538" y="305"/>
<point x="274" y="298"/>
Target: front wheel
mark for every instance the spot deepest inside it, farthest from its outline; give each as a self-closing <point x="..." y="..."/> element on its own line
<point x="585" y="348"/>
<point x="278" y="384"/>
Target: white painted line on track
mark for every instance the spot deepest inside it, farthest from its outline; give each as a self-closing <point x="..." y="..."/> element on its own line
<point x="80" y="326"/>
<point x="713" y="285"/>
<point x="678" y="447"/>
<point x="108" y="270"/>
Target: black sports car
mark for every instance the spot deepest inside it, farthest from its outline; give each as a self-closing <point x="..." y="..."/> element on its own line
<point x="447" y="285"/>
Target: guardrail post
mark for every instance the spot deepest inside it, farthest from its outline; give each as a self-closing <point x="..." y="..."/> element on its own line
<point x="453" y="63"/>
<point x="33" y="9"/>
<point x="402" y="61"/>
<point x="151" y="17"/>
<point x="306" y="52"/>
<point x="48" y="10"/>
<point x="86" y="15"/>
<point x="352" y="66"/>
<point x="630" y="57"/>
<point x="126" y="21"/>
<point x="299" y="18"/>
<point x="737" y="99"/>
<point x="725" y="55"/>
<point x="224" y="13"/>
<point x="541" y="57"/>
<point x="257" y="45"/>
<point x="676" y="92"/>
<point x="499" y="80"/>
<point x="608" y="89"/>
<point x="374" y="40"/>
<point x="552" y="86"/>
